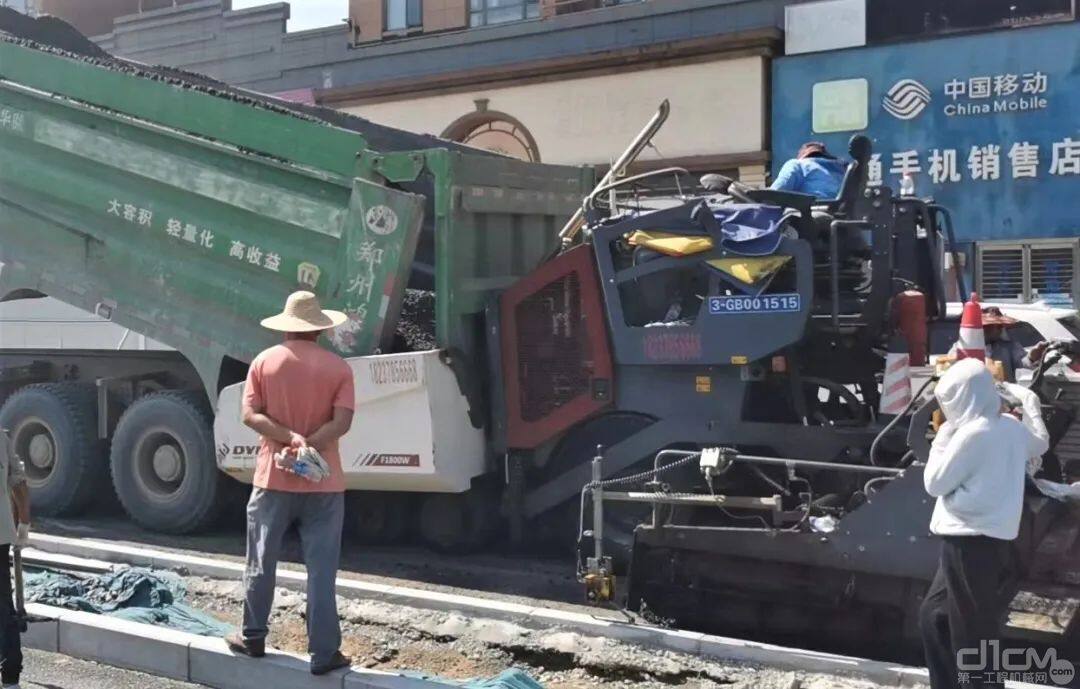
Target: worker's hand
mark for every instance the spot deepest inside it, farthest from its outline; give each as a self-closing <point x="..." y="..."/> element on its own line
<point x="285" y="459"/>
<point x="1036" y="353"/>
<point x="1027" y="397"/>
<point x="1033" y="466"/>
<point x="944" y="434"/>
<point x="22" y="536"/>
<point x="296" y="441"/>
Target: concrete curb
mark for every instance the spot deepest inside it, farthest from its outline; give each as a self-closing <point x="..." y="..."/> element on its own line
<point x="721" y="648"/>
<point x="190" y="658"/>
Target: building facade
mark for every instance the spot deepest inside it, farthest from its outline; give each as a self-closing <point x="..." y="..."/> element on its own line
<point x="984" y="122"/>
<point x="551" y="81"/>
<point x="576" y="84"/>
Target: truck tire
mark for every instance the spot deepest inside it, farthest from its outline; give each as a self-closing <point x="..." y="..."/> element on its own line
<point x="458" y="522"/>
<point x="377" y="518"/>
<point x="53" y="428"/>
<point x="163" y="463"/>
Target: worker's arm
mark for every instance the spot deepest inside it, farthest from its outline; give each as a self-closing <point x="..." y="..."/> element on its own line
<point x="953" y="458"/>
<point x="253" y="411"/>
<point x="20" y="496"/>
<point x="20" y="499"/>
<point x="1038" y="438"/>
<point x="1030" y="358"/>
<point x="261" y="423"/>
<point x="333" y="429"/>
<point x="344" y="403"/>
<point x="789" y="178"/>
<point x="20" y="491"/>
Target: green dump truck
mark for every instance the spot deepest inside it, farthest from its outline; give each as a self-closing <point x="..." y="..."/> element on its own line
<point x="185" y="211"/>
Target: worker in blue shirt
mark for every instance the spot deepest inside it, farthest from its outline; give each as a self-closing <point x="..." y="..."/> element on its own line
<point x="813" y="171"/>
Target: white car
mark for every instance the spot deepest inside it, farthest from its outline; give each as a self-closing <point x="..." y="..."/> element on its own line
<point x="1039" y="322"/>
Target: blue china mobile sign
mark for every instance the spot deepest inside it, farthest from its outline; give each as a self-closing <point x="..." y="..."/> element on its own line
<point x="987" y="124"/>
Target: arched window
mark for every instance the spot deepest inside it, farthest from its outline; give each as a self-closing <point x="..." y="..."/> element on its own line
<point x="494" y="131"/>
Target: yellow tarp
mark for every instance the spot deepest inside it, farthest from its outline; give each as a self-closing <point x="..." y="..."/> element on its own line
<point x="750" y="270"/>
<point x="670" y="244"/>
<point x="745" y="269"/>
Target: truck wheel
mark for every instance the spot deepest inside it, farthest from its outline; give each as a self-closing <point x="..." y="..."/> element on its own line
<point x="53" y="428"/>
<point x="462" y="522"/>
<point x="377" y="518"/>
<point x="163" y="463"/>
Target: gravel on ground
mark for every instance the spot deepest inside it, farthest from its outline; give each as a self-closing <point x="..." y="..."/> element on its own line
<point x="391" y="637"/>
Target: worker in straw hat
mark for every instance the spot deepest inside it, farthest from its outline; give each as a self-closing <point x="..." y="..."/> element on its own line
<point x="299" y="397"/>
<point x="1000" y="347"/>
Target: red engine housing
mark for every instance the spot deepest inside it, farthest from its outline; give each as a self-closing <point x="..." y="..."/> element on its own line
<point x="556" y="357"/>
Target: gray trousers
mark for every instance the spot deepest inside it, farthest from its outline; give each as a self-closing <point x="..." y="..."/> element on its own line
<point x="318" y="518"/>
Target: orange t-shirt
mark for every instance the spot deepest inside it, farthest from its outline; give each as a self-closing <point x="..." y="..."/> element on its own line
<point x="298" y="384"/>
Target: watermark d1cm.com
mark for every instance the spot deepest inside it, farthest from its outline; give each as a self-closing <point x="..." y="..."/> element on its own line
<point x="991" y="663"/>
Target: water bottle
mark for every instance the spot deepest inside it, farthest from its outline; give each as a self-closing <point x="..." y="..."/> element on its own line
<point x="302" y="468"/>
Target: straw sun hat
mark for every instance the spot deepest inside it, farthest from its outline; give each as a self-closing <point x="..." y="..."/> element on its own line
<point x="303" y="314"/>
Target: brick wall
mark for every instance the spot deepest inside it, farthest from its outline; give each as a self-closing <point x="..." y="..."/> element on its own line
<point x="367" y="19"/>
<point x="440" y="15"/>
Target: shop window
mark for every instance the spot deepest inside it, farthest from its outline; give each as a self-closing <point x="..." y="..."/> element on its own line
<point x="402" y="15"/>
<point x="484" y="12"/>
<point x="1028" y="271"/>
<point x="889" y="20"/>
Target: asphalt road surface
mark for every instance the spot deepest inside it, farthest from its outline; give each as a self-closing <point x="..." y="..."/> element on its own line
<point x="51" y="671"/>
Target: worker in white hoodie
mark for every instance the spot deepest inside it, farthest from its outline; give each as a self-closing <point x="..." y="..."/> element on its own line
<point x="976" y="471"/>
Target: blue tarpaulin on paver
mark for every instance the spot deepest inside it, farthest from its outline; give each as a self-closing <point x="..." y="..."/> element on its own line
<point x="134" y="594"/>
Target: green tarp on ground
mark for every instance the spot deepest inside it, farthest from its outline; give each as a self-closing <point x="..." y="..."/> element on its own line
<point x="510" y="679"/>
<point x="135" y="594"/>
<point x="157" y="598"/>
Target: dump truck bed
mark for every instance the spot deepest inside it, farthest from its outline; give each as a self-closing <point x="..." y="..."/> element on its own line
<point x="186" y="210"/>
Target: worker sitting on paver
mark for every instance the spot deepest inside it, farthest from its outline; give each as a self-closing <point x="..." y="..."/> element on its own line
<point x="976" y="471"/>
<point x="14" y="531"/>
<point x="300" y="399"/>
<point x="999" y="347"/>
<point x="812" y="171"/>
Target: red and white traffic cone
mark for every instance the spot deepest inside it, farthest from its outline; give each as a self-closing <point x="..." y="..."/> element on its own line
<point x="896" y="386"/>
<point x="972" y="342"/>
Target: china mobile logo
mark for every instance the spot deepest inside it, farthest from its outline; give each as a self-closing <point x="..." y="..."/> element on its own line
<point x="906" y="99"/>
<point x="1017" y="664"/>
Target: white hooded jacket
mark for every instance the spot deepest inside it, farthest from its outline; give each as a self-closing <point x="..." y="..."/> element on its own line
<point x="979" y="457"/>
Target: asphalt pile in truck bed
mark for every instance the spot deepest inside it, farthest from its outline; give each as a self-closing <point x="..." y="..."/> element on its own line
<point x="416" y="324"/>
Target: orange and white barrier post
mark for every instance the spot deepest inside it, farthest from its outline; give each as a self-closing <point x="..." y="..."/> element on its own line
<point x="972" y="342"/>
<point x="896" y="386"/>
